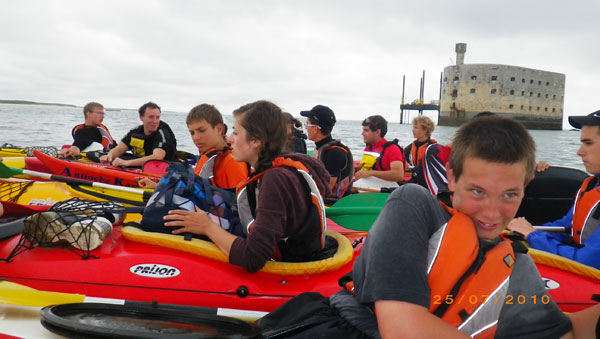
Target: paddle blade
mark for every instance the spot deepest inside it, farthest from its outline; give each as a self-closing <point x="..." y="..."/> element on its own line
<point x="8" y="172"/>
<point x="16" y="294"/>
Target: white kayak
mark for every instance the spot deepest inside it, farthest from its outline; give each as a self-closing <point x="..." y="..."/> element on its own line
<point x="23" y="322"/>
<point x="373" y="184"/>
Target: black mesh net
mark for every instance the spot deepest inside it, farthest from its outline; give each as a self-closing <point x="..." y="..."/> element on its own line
<point x="49" y="150"/>
<point x="11" y="191"/>
<point x="78" y="225"/>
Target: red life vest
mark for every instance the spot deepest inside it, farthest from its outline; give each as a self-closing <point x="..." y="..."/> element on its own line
<point x="586" y="215"/>
<point x="302" y="241"/>
<point x="107" y="139"/>
<point x="468" y="286"/>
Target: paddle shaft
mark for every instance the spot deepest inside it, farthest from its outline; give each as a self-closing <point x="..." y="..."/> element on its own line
<point x="228" y="312"/>
<point x="69" y="180"/>
<point x="17" y="294"/>
<point x="556" y="229"/>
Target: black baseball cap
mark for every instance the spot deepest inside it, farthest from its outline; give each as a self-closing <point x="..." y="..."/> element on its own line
<point x="321" y="115"/>
<point x="592" y="119"/>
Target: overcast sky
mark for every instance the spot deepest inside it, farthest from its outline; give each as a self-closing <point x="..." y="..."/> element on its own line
<point x="349" y="55"/>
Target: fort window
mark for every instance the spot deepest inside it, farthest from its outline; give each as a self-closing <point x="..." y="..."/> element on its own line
<point x="554" y="110"/>
<point x="538" y="108"/>
<point x="493" y="91"/>
<point x="547" y="83"/>
<point x="445" y="79"/>
<point x="545" y="109"/>
<point x="530" y="108"/>
<point x="512" y="78"/>
<point x="454" y="93"/>
<point x="511" y="106"/>
<point x="473" y="77"/>
<point x="539" y="95"/>
<point x="531" y="81"/>
<point x="522" y="107"/>
<point x="546" y="96"/>
<point x="539" y="82"/>
<point x="530" y="94"/>
<point x="554" y="97"/>
<point x="523" y="80"/>
<point x="455" y="78"/>
<point x="494" y="77"/>
<point x="512" y="92"/>
<point x="522" y="93"/>
<point x="472" y="91"/>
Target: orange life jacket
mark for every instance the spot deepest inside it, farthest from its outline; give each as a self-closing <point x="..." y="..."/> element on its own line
<point x="247" y="193"/>
<point x="468" y="285"/>
<point x="210" y="166"/>
<point x="107" y="139"/>
<point x="417" y="153"/>
<point x="586" y="215"/>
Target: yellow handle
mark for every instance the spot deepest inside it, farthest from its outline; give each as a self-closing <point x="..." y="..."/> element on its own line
<point x="16" y="294"/>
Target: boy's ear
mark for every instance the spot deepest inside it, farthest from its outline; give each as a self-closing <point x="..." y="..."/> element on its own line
<point x="450" y="177"/>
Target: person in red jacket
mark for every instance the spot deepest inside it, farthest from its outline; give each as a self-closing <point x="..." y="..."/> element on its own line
<point x="381" y="158"/>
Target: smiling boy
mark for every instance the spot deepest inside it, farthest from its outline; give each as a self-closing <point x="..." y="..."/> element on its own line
<point x="152" y="140"/>
<point x="429" y="270"/>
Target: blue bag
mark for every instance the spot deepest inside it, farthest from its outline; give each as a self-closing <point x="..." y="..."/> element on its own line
<point x="180" y="188"/>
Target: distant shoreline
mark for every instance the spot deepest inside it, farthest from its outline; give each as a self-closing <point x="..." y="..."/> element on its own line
<point x="25" y="102"/>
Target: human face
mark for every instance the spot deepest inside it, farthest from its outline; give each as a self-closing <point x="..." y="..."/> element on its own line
<point x="95" y="117"/>
<point x="419" y="132"/>
<point x="150" y="120"/>
<point x="243" y="150"/>
<point x="589" y="151"/>
<point x="311" y="130"/>
<point x="488" y="192"/>
<point x="206" y="137"/>
<point x="369" y="136"/>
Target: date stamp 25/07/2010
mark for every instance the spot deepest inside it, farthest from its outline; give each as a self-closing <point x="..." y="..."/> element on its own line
<point x="480" y="299"/>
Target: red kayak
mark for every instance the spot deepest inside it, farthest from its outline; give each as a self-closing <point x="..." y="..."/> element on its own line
<point x="132" y="270"/>
<point x="91" y="172"/>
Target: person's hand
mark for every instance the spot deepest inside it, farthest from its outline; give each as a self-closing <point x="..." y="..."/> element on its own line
<point x="520" y="225"/>
<point x="106" y="159"/>
<point x="120" y="162"/>
<point x="1" y="209"/>
<point x="147" y="182"/>
<point x="359" y="166"/>
<point x="197" y="222"/>
<point x="362" y="174"/>
<point x="541" y="166"/>
<point x="67" y="152"/>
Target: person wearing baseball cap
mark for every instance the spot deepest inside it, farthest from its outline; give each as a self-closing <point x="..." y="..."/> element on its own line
<point x="582" y="244"/>
<point x="336" y="156"/>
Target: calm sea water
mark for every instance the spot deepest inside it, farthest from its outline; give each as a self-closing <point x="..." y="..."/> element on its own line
<point x="39" y="125"/>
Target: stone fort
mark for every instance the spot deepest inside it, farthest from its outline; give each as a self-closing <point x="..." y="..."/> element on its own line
<point x="533" y="97"/>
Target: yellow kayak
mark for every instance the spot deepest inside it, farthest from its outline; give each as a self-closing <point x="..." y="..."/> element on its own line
<point x="30" y="192"/>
